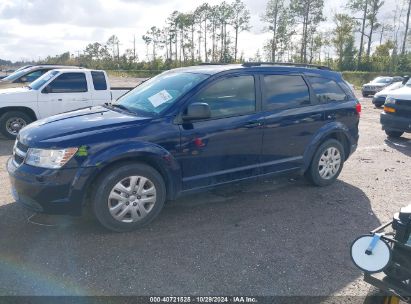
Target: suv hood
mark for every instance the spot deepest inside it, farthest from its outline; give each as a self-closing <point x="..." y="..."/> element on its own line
<point x="380" y="85"/>
<point x="389" y="89"/>
<point x="88" y="124"/>
<point x="402" y="93"/>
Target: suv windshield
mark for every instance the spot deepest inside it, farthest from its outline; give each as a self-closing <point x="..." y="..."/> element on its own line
<point x="382" y="80"/>
<point x="159" y="93"/>
<point x="37" y="84"/>
<point x="17" y="74"/>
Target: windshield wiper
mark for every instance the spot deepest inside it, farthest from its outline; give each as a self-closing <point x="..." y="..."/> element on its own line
<point x="116" y="105"/>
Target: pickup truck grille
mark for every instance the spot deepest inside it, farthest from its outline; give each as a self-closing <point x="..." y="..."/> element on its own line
<point x="403" y="107"/>
<point x="19" y="153"/>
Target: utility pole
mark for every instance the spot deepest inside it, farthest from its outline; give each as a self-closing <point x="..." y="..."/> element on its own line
<point x="134" y="49"/>
<point x="406" y="28"/>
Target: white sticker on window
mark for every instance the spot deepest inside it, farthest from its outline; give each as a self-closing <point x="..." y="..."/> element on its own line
<point x="160" y="98"/>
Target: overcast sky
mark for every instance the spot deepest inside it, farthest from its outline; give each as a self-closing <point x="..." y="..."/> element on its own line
<point x="33" y="29"/>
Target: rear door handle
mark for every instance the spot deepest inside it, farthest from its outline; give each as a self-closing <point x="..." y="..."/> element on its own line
<point x="253" y="124"/>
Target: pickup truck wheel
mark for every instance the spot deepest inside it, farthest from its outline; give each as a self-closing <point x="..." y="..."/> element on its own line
<point x="129" y="197"/>
<point x="394" y="134"/>
<point x="12" y="122"/>
<point x="326" y="164"/>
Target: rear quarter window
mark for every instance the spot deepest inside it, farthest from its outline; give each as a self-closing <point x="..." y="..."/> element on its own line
<point x="327" y="90"/>
<point x="99" y="81"/>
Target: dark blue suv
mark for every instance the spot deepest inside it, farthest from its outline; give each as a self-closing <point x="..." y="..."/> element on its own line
<point x="184" y="130"/>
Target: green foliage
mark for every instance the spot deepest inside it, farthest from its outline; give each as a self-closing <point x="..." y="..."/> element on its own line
<point x="343" y="41"/>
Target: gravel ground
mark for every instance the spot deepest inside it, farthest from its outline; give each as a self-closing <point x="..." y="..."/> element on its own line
<point x="271" y="237"/>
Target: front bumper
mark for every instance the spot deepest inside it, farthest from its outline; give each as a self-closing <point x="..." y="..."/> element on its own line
<point x="379" y="101"/>
<point x="395" y="123"/>
<point x="48" y="191"/>
<point x="371" y="91"/>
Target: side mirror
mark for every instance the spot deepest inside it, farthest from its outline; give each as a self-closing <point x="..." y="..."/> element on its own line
<point x="46" y="90"/>
<point x="197" y="110"/>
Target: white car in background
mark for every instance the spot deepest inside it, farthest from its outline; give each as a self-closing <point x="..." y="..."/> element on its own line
<point x="379" y="98"/>
<point x="57" y="91"/>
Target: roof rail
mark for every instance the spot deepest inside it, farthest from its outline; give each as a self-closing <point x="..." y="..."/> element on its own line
<point x="212" y="63"/>
<point x="302" y="65"/>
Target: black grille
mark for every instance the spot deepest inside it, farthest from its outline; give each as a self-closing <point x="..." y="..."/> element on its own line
<point x="19" y="153"/>
<point x="18" y="159"/>
<point x="22" y="147"/>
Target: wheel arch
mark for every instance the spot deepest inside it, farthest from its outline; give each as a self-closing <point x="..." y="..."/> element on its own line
<point x="165" y="165"/>
<point x="30" y="112"/>
<point x="338" y="132"/>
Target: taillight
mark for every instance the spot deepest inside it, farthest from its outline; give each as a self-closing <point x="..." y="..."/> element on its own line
<point x="358" y="108"/>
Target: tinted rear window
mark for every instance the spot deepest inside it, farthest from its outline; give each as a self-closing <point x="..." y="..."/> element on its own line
<point x="327" y="90"/>
<point x="285" y="91"/>
<point x="99" y="81"/>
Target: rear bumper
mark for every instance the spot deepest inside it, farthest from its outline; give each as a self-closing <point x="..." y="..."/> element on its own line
<point x="47" y="191"/>
<point x="395" y="123"/>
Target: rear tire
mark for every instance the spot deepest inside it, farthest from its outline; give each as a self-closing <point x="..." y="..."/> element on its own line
<point x="326" y="164"/>
<point x="394" y="134"/>
<point x="12" y="122"/>
<point x="128" y="197"/>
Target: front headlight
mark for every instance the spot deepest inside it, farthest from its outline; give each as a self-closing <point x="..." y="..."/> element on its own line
<point x="390" y="100"/>
<point x="51" y="159"/>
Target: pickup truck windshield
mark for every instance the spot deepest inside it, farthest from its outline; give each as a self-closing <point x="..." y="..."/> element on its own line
<point x="37" y="84"/>
<point x="159" y="93"/>
<point x="15" y="75"/>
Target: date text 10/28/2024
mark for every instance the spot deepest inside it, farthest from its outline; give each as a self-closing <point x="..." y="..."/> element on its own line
<point x="199" y="299"/>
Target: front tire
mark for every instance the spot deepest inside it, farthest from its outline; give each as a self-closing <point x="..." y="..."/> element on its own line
<point x="394" y="134"/>
<point x="128" y="197"/>
<point x="12" y="122"/>
<point x="326" y="164"/>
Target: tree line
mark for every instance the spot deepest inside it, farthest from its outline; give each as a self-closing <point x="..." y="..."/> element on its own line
<point x="361" y="38"/>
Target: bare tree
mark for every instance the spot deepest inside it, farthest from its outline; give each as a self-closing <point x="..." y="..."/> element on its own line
<point x="240" y="21"/>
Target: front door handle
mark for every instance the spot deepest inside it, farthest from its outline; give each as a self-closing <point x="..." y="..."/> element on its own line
<point x="316" y="116"/>
<point x="253" y="124"/>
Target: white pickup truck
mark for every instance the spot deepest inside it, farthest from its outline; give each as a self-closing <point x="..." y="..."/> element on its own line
<point x="55" y="92"/>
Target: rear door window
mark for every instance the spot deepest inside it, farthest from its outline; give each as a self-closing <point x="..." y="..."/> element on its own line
<point x="231" y="96"/>
<point x="285" y="91"/>
<point x="327" y="90"/>
<point x="99" y="81"/>
<point x="69" y="83"/>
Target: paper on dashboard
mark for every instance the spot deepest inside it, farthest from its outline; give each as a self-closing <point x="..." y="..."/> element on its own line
<point x="160" y="98"/>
